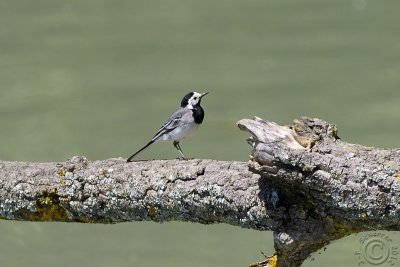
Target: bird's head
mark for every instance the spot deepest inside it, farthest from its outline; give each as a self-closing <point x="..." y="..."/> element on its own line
<point x="192" y="99"/>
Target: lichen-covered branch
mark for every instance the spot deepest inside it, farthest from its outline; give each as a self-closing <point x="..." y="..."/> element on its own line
<point x="303" y="182"/>
<point x="324" y="187"/>
<point x="110" y="191"/>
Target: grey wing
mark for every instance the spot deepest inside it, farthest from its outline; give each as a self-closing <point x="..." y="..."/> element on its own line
<point x="173" y="121"/>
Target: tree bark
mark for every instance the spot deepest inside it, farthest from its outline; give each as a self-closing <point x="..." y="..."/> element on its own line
<point x="302" y="182"/>
<point x="322" y="187"/>
<point x="111" y="191"/>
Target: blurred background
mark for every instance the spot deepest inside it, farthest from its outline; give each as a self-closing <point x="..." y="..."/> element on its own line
<point x="98" y="78"/>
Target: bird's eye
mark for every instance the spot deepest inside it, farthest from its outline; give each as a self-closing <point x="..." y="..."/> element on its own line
<point x="195" y="98"/>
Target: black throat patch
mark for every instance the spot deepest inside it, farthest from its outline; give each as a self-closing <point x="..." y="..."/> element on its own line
<point x="198" y="114"/>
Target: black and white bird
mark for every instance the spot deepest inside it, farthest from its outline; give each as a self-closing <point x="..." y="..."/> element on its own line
<point x="181" y="124"/>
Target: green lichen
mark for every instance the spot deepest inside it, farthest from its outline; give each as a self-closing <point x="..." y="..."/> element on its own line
<point x="335" y="132"/>
<point x="85" y="220"/>
<point x="364" y="217"/>
<point x="48" y="207"/>
<point x="308" y="169"/>
<point x="342" y="230"/>
<point x="153" y="212"/>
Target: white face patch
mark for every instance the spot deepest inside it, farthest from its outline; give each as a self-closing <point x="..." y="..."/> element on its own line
<point x="194" y="100"/>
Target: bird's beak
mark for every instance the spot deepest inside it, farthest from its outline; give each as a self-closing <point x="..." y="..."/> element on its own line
<point x="204" y="94"/>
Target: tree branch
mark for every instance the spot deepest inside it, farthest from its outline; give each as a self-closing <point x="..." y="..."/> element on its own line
<point x="303" y="182"/>
<point x="110" y="191"/>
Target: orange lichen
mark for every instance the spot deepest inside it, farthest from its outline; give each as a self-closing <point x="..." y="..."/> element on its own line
<point x="62" y="172"/>
<point x="273" y="261"/>
<point x="269" y="261"/>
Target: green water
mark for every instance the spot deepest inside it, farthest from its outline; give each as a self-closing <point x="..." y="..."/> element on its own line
<point x="98" y="78"/>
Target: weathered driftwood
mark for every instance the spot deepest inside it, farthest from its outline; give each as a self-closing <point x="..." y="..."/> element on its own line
<point x="303" y="182"/>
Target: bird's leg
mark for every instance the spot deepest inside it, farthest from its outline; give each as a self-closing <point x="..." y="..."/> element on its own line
<point x="177" y="146"/>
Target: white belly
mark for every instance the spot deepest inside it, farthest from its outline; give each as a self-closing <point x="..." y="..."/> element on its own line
<point x="180" y="133"/>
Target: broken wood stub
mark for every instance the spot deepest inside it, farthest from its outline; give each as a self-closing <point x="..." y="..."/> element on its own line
<point x="322" y="187"/>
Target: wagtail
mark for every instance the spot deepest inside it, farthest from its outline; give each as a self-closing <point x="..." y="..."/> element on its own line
<point x="181" y="124"/>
